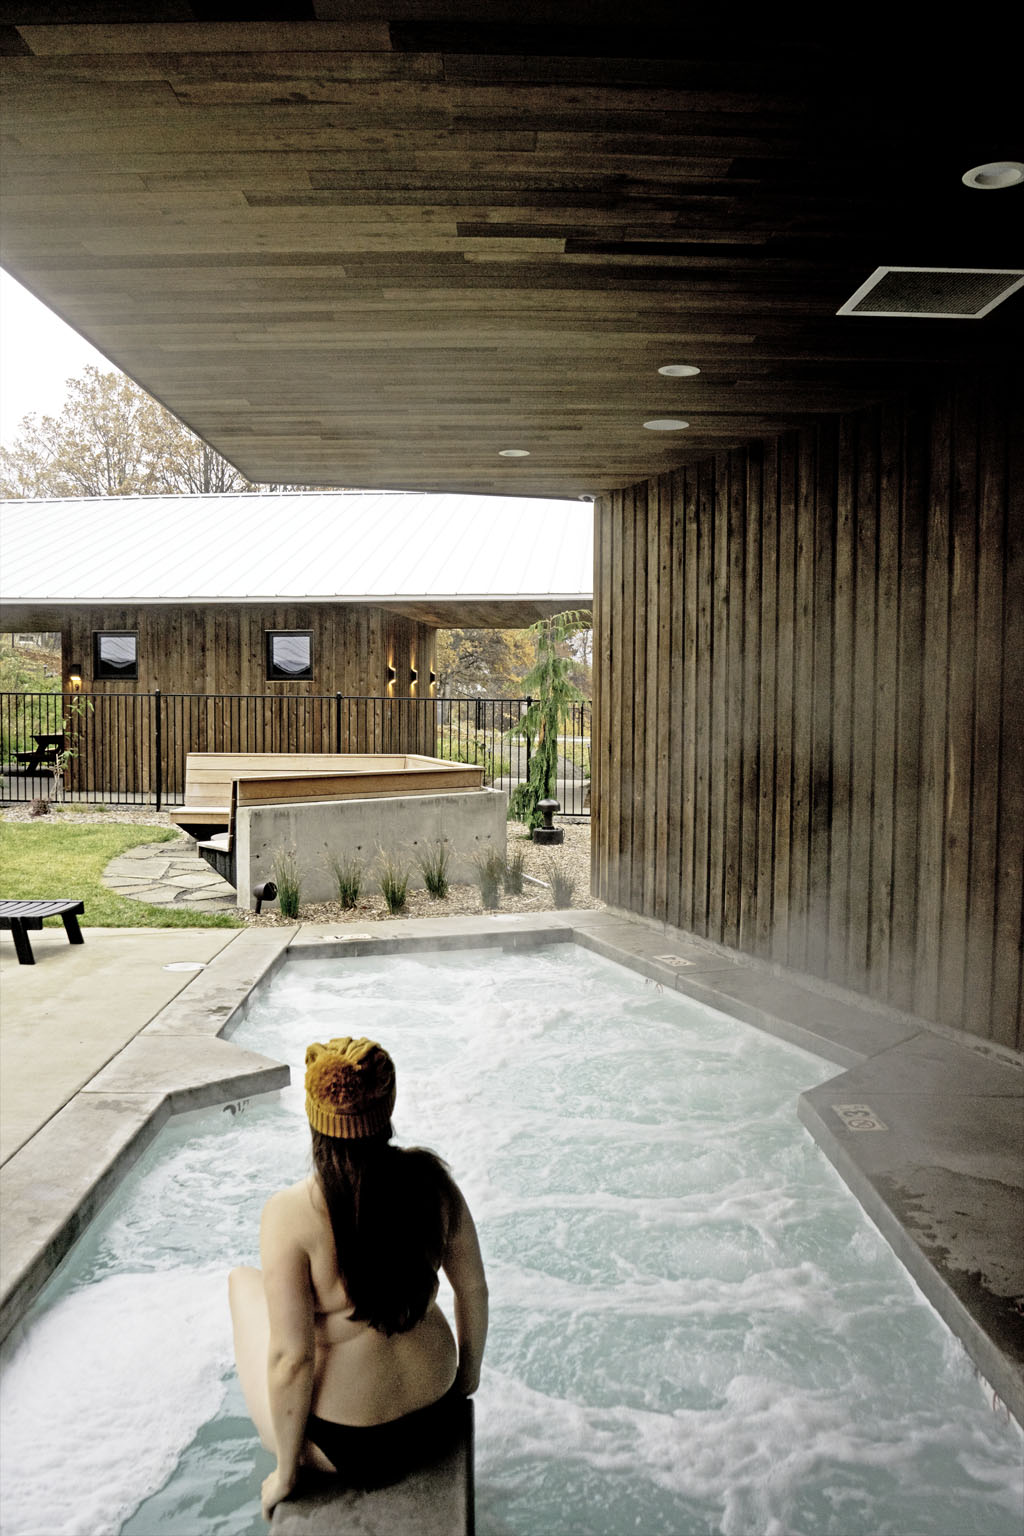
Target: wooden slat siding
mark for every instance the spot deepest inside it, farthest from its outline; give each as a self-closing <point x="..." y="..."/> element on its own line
<point x="784" y="700"/>
<point x="916" y="552"/>
<point x="820" y="771"/>
<point x="639" y="849"/>
<point x="886" y="662"/>
<point x="629" y="718"/>
<point x="934" y="713"/>
<point x="991" y="486"/>
<point x="753" y="467"/>
<point x="956" y="862"/>
<point x="842" y="676"/>
<point x="735" y="745"/>
<point x="667" y="670"/>
<point x="614" y="784"/>
<point x="700" y="712"/>
<point x="865" y="570"/>
<point x="685" y="610"/>
<point x="803" y="698"/>
<point x="911" y="669"/>
<point x="653" y="734"/>
<point x="599" y="712"/>
<point x="718" y="714"/>
<point x="770" y="555"/>
<point x="1007" y="982"/>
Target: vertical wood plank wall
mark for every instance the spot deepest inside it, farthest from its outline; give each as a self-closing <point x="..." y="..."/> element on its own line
<point x="216" y="651"/>
<point x="809" y="703"/>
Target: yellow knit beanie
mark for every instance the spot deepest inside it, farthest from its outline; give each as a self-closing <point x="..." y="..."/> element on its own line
<point x="350" y="1087"/>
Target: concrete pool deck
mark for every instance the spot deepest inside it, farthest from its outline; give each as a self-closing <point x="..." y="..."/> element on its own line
<point x="101" y="1043"/>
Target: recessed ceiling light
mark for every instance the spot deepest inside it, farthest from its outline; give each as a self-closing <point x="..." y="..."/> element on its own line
<point x="996" y="174"/>
<point x="679" y="370"/>
<point x="665" y="424"/>
<point x="513" y="453"/>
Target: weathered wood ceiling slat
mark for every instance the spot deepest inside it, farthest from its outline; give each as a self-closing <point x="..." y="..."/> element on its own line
<point x="378" y="247"/>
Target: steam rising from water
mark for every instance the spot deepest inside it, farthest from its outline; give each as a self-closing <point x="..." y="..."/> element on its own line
<point x="694" y="1327"/>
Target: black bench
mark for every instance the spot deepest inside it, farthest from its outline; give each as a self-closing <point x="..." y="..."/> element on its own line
<point x="19" y="916"/>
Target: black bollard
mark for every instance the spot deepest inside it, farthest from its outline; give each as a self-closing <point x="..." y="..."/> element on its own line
<point x="548" y="834"/>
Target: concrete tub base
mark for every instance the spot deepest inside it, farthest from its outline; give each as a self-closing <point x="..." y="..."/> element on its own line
<point x="401" y="826"/>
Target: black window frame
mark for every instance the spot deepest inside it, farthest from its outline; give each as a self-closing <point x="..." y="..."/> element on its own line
<point x="103" y="671"/>
<point x="273" y="674"/>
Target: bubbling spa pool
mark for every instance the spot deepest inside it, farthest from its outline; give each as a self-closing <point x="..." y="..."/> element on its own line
<point x="695" y="1328"/>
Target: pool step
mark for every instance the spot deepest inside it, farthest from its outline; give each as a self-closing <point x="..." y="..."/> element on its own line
<point x="435" y="1501"/>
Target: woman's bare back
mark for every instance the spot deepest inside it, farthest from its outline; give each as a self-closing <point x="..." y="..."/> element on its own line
<point x="363" y="1376"/>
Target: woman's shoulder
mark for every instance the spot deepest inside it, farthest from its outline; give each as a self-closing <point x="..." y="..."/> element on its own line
<point x="295" y="1203"/>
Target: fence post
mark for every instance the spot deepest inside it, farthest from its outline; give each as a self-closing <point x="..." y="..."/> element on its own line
<point x="158" y="747"/>
<point x="529" y="701"/>
<point x="337" y="722"/>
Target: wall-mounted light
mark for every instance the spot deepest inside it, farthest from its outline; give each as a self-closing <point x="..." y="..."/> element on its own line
<point x="413" y="674"/>
<point x="433" y="679"/>
<point x="75" y="676"/>
<point x="392" y="674"/>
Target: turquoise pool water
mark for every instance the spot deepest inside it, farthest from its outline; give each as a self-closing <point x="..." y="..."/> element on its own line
<point x="694" y="1326"/>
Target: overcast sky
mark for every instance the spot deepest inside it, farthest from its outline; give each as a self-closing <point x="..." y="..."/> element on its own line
<point x="38" y="354"/>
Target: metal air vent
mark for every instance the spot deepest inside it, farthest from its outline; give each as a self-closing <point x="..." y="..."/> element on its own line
<point x="933" y="293"/>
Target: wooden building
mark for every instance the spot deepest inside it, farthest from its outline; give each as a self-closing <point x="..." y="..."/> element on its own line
<point x="756" y="291"/>
<point x="252" y="614"/>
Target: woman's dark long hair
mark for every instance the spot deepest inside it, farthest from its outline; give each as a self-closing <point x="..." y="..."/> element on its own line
<point x="392" y="1210"/>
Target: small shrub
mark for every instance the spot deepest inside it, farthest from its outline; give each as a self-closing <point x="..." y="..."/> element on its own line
<point x="348" y="878"/>
<point x="393" y="879"/>
<point x="515" y="865"/>
<point x="288" y="882"/>
<point x="433" y="862"/>
<point x="490" y="870"/>
<point x="563" y="886"/>
<point x="40" y="806"/>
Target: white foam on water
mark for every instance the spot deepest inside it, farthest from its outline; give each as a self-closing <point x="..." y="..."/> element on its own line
<point x="103" y="1394"/>
<point x="694" y="1326"/>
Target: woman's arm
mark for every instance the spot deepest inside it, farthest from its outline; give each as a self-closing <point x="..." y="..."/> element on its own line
<point x="464" y="1267"/>
<point x="291" y="1356"/>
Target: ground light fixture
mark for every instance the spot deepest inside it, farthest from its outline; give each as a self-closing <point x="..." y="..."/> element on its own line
<point x="513" y="453"/>
<point x="666" y="424"/>
<point x="994" y="176"/>
<point x="679" y="370"/>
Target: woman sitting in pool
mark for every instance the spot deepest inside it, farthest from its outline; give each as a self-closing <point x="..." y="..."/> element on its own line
<point x="345" y="1358"/>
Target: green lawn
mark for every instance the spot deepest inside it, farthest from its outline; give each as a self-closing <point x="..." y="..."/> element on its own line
<point x="54" y="859"/>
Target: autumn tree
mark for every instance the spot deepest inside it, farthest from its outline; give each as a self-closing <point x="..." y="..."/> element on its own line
<point x="111" y="439"/>
<point x="482" y="663"/>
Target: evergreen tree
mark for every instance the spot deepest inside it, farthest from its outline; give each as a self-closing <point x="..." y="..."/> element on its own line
<point x="549" y="684"/>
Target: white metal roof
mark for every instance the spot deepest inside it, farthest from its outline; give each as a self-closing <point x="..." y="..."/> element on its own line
<point x="295" y="546"/>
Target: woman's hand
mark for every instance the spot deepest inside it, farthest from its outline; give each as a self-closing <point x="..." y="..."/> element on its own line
<point x="275" y="1489"/>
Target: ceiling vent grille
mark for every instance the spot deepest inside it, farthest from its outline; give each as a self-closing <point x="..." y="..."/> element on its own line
<point x="933" y="293"/>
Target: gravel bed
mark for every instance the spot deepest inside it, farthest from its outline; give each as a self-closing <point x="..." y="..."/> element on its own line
<point x="572" y="857"/>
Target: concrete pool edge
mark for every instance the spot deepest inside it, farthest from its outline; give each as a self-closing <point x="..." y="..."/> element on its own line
<point x="970" y="1276"/>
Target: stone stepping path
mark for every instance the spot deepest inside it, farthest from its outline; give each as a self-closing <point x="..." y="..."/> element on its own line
<point x="164" y="875"/>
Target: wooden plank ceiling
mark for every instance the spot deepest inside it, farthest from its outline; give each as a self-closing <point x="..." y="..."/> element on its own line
<point x="377" y="251"/>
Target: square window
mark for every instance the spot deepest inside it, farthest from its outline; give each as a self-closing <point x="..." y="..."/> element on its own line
<point x="289" y="655"/>
<point x="115" y="656"/>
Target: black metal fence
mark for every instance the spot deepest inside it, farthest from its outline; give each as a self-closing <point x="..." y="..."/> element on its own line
<point x="130" y="749"/>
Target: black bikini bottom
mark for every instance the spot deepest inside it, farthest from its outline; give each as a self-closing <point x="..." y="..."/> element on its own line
<point x="374" y="1455"/>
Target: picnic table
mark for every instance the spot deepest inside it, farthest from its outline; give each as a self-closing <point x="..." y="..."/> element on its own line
<point x="19" y="916"/>
<point x="44" y="755"/>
